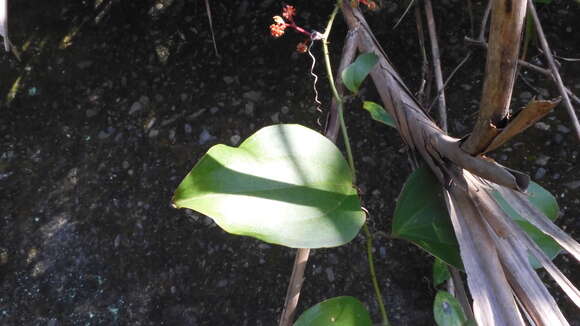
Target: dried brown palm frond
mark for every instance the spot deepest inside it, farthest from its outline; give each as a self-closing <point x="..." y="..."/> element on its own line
<point x="504" y="287"/>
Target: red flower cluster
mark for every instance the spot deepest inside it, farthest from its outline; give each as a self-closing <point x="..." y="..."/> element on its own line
<point x="279" y="27"/>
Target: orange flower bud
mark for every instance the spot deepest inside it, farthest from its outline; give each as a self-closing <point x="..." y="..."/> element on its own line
<point x="288" y="12"/>
<point x="302" y="47"/>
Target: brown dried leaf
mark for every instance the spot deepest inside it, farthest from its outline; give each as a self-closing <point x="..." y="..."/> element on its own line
<point x="532" y="113"/>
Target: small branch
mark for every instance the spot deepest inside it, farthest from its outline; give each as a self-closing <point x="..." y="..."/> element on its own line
<point x="530" y="66"/>
<point x="436" y="64"/>
<point x="500" y="72"/>
<point x="294" y="286"/>
<point x="554" y="69"/>
<point x="425" y="63"/>
<point x="404" y="14"/>
<point x="451" y="75"/>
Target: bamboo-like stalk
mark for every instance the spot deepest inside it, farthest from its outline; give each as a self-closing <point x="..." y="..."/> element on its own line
<point x="507" y="18"/>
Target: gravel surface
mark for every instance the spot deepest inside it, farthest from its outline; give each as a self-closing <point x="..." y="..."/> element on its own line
<point x="111" y="109"/>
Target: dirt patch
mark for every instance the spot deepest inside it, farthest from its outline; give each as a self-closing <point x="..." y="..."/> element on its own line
<point x="113" y="109"/>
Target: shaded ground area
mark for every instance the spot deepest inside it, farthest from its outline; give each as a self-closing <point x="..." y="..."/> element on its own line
<point x="109" y="110"/>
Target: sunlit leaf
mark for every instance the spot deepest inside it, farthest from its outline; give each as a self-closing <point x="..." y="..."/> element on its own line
<point x="421" y="217"/>
<point x="286" y="185"/>
<point x="356" y="72"/>
<point x="448" y="311"/>
<point x="379" y="114"/>
<point x="337" y="311"/>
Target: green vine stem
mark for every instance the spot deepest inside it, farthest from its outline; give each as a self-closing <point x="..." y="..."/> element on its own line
<point x="378" y="293"/>
<point x="337" y="96"/>
<point x="339" y="102"/>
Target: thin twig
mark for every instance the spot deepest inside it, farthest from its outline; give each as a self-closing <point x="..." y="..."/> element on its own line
<point x="294" y="286"/>
<point x="208" y="10"/>
<point x="451" y="75"/>
<point x="554" y="69"/>
<point x="436" y="64"/>
<point x="425" y="62"/>
<point x="530" y="66"/>
<point x="404" y="14"/>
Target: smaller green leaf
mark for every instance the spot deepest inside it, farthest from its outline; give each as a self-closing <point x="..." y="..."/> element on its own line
<point x="440" y="272"/>
<point x="547" y="204"/>
<point x="379" y="114"/>
<point x="421" y="217"/>
<point x="447" y="310"/>
<point x="337" y="311"/>
<point x="356" y="72"/>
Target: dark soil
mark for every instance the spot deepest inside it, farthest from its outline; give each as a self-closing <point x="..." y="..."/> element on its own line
<point x="110" y="109"/>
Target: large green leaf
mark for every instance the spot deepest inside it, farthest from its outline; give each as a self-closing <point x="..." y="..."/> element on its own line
<point x="356" y="72"/>
<point x="379" y="114"/>
<point x="286" y="185"/>
<point x="447" y="310"/>
<point x="337" y="311"/>
<point x="421" y="217"/>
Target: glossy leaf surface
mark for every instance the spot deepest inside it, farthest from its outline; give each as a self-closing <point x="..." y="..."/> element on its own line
<point x="338" y="311"/>
<point x="286" y="185"/>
